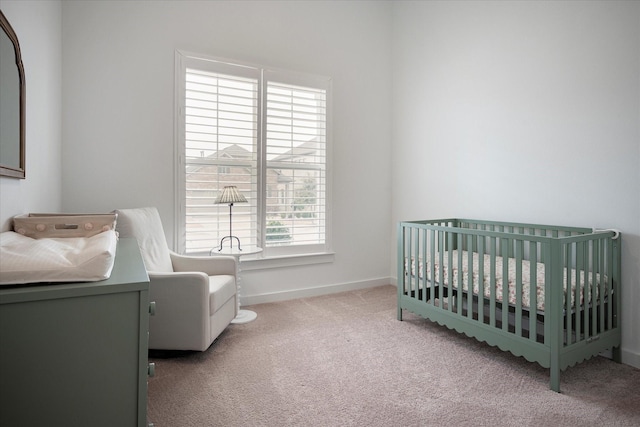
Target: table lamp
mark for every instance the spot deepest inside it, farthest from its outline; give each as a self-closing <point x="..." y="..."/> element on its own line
<point x="231" y="195"/>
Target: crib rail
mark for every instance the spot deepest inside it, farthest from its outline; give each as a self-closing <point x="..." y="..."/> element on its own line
<point x="535" y="290"/>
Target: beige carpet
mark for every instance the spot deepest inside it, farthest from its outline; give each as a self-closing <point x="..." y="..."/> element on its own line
<point x="344" y="360"/>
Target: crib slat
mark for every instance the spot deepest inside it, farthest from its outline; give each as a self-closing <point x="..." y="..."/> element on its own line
<point x="432" y="260"/>
<point x="584" y="290"/>
<point x="471" y="242"/>
<point x="567" y="290"/>
<point x="460" y="275"/>
<point x="422" y="275"/>
<point x="519" y="250"/>
<point x="609" y="284"/>
<point x="481" y="247"/>
<point x="449" y="271"/>
<point x="506" y="250"/>
<point x="492" y="282"/>
<point x="578" y="307"/>
<point x="424" y="257"/>
<point x="415" y="252"/>
<point x="553" y="328"/>
<point x="474" y="247"/>
<point x="602" y="286"/>
<point x="590" y="275"/>
<point x="533" y="288"/>
<point x="409" y="259"/>
<point x="414" y="257"/>
<point x="597" y="245"/>
<point x="441" y="270"/>
<point x="407" y="251"/>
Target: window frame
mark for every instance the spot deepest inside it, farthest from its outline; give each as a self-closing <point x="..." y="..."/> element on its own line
<point x="280" y="255"/>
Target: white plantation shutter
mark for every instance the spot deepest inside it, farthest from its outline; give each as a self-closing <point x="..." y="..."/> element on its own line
<point x="220" y="116"/>
<point x="296" y="133"/>
<point x="264" y="132"/>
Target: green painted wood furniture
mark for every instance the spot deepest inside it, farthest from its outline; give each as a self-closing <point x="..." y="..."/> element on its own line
<point x="563" y="283"/>
<point x="75" y="354"/>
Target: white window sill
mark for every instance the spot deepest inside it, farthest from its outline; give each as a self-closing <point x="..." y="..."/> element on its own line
<point x="257" y="263"/>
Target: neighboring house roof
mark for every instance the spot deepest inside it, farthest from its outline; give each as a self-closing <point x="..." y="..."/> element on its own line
<point x="235" y="151"/>
<point x="302" y="150"/>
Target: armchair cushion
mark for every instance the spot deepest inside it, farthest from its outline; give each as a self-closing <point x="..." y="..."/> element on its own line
<point x="145" y="225"/>
<point x="212" y="265"/>
<point x="221" y="289"/>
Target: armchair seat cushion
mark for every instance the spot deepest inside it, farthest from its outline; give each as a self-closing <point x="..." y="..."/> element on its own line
<point x="221" y="289"/>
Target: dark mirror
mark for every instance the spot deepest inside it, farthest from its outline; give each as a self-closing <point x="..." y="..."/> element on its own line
<point x="12" y="103"/>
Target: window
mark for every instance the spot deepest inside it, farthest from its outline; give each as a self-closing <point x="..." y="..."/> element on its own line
<point x="264" y="131"/>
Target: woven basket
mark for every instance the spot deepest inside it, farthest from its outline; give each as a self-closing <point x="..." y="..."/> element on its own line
<point x="45" y="225"/>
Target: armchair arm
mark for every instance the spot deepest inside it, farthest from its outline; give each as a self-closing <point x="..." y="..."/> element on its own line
<point x="181" y="320"/>
<point x="211" y="265"/>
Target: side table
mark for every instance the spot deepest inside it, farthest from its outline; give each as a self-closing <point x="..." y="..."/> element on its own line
<point x="244" y="316"/>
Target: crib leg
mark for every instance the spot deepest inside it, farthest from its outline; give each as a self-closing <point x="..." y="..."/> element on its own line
<point x="616" y="353"/>
<point x="555" y="378"/>
<point x="399" y="314"/>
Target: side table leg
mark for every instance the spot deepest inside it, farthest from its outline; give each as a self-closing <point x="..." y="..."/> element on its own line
<point x="244" y="316"/>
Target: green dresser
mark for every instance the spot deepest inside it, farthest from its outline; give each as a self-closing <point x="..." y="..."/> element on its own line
<point x="75" y="354"/>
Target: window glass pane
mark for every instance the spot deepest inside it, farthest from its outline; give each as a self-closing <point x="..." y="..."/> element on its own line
<point x="295" y="207"/>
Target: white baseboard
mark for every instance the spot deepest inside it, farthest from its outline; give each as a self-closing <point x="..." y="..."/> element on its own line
<point x="630" y="358"/>
<point x="312" y="292"/>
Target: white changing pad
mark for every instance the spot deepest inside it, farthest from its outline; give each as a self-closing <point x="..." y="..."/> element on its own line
<point x="71" y="259"/>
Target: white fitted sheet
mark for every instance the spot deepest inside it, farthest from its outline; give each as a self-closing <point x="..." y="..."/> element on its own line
<point x="73" y="259"/>
<point x="571" y="276"/>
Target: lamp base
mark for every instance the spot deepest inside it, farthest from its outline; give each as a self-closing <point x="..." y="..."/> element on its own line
<point x="231" y="242"/>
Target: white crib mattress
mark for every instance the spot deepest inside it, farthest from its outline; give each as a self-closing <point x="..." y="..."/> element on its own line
<point x="54" y="260"/>
<point x="570" y="276"/>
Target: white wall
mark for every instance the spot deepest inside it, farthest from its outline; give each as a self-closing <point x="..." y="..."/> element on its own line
<point x="522" y="111"/>
<point x="118" y="124"/>
<point x="38" y="27"/>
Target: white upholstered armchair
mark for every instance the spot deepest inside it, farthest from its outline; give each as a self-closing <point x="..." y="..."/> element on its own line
<point x="195" y="296"/>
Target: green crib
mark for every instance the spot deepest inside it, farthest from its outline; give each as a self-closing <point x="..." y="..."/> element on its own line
<point x="550" y="294"/>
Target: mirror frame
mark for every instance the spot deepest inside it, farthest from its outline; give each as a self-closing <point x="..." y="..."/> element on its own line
<point x="6" y="170"/>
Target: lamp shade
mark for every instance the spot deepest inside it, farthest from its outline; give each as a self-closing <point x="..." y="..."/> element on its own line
<point x="230" y="194"/>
